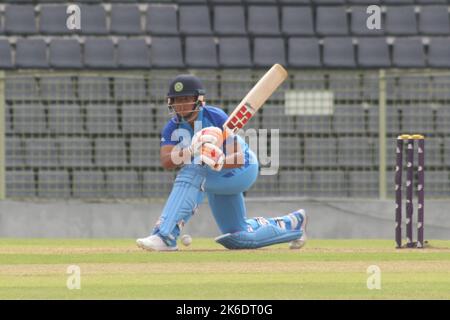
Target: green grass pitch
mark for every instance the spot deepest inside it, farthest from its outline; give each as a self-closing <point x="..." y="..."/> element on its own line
<point x="323" y="269"/>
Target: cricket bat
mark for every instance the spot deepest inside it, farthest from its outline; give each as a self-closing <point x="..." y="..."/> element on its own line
<point x="254" y="99"/>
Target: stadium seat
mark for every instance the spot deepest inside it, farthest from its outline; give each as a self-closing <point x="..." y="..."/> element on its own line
<point x="345" y="86"/>
<point x="363" y="183"/>
<point x="20" y="89"/>
<point x="29" y="118"/>
<point x="53" y="20"/>
<point x="41" y="152"/>
<point x="5" y="55"/>
<point x="133" y="53"/>
<point x="89" y="184"/>
<point x="130" y="88"/>
<point x="373" y="53"/>
<point x="355" y="152"/>
<point x="8" y="119"/>
<point x="392" y="121"/>
<point x="268" y="51"/>
<point x="53" y="184"/>
<point x="433" y="152"/>
<point x="408" y="53"/>
<point x="234" y="52"/>
<point x="414" y="87"/>
<point x="190" y="24"/>
<point x="93" y="20"/>
<point x="320" y="124"/>
<point x="349" y="119"/>
<point x="123" y="184"/>
<point x="229" y="20"/>
<point x="263" y="20"/>
<point x="328" y="1"/>
<point x="99" y="54"/>
<point x="144" y="152"/>
<point x="364" y="1"/>
<point x="125" y="20"/>
<point x="57" y="88"/>
<point x="166" y="52"/>
<point x="303" y="52"/>
<point x="235" y="84"/>
<point x="290" y="152"/>
<point x="398" y="1"/>
<point x="93" y="88"/>
<point x="75" y="152"/>
<point x="359" y="23"/>
<point x="20" y="183"/>
<point x="156" y="184"/>
<point x="446" y="151"/>
<point x="434" y="20"/>
<point x="65" y="54"/>
<point x="443" y="119"/>
<point x="101" y="118"/>
<point x="162" y="20"/>
<point x="308" y="81"/>
<point x="65" y="118"/>
<point x="432" y="1"/>
<point x="338" y="52"/>
<point x="297" y="21"/>
<point x="265" y="185"/>
<point x="437" y="183"/>
<point x="329" y="184"/>
<point x="138" y="118"/>
<point x="274" y="117"/>
<point x="439" y="53"/>
<point x="110" y="152"/>
<point x="401" y="20"/>
<point x="20" y="20"/>
<point x="295" y="183"/>
<point x="31" y="53"/>
<point x="320" y="152"/>
<point x="14" y="152"/>
<point x="439" y="87"/>
<point x="331" y="21"/>
<point x="201" y="52"/>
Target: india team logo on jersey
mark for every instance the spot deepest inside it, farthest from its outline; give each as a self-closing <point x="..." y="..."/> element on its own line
<point x="178" y="86"/>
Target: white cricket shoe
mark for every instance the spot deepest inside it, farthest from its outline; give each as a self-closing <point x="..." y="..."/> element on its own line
<point x="300" y="242"/>
<point x="154" y="243"/>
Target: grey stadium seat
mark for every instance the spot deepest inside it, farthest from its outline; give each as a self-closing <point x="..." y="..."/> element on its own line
<point x="29" y="118"/>
<point x="110" y="152"/>
<point x="408" y="53"/>
<point x="398" y="1"/>
<point x="401" y="20"/>
<point x="303" y="52"/>
<point x="437" y="183"/>
<point x="144" y="152"/>
<point x="373" y="53"/>
<point x="99" y="53"/>
<point x="75" y="152"/>
<point x="433" y="152"/>
<point x="101" y="118"/>
<point x="138" y="118"/>
<point x="166" y="52"/>
<point x="133" y="53"/>
<point x="123" y="184"/>
<point x="93" y="88"/>
<point x="439" y="53"/>
<point x="65" y="118"/>
<point x="355" y="152"/>
<point x="14" y="152"/>
<point x="275" y="118"/>
<point x="190" y="23"/>
<point x="442" y="119"/>
<point x="53" y="20"/>
<point x="41" y="152"/>
<point x="20" y="183"/>
<point x="314" y="124"/>
<point x="234" y="52"/>
<point x="434" y="20"/>
<point x="329" y="184"/>
<point x="31" y="53"/>
<point x="349" y="119"/>
<point x="297" y="21"/>
<point x="265" y="186"/>
<point x="439" y="87"/>
<point x="57" y="88"/>
<point x="338" y="52"/>
<point x="345" y="86"/>
<point x="130" y="89"/>
<point x="93" y="20"/>
<point x="268" y="51"/>
<point x="162" y="20"/>
<point x="20" y="20"/>
<point x="320" y="152"/>
<point x="364" y="1"/>
<point x="53" y="184"/>
<point x="125" y="19"/>
<point x="414" y="87"/>
<point x="89" y="184"/>
<point x="290" y="152"/>
<point x="295" y="183"/>
<point x="392" y="121"/>
<point x="328" y="1"/>
<point x="65" y="54"/>
<point x="229" y="20"/>
<point x="446" y="151"/>
<point x="359" y="23"/>
<point x="5" y="55"/>
<point x="157" y="183"/>
<point x="201" y="52"/>
<point x="263" y="20"/>
<point x="21" y="88"/>
<point x="363" y="183"/>
<point x="331" y="21"/>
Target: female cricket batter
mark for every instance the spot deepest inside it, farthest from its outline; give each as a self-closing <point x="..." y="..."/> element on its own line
<point x="192" y="141"/>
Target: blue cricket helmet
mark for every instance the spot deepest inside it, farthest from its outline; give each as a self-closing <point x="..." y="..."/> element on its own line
<point x="186" y="85"/>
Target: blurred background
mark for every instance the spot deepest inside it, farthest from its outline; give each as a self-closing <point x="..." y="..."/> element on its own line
<point x="81" y="110"/>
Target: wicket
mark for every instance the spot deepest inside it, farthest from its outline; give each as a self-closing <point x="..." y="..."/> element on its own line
<point x="409" y="190"/>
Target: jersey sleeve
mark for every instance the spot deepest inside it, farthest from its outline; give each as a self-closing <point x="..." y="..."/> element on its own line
<point x="166" y="134"/>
